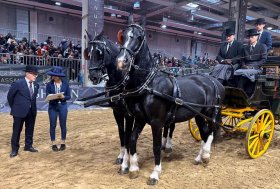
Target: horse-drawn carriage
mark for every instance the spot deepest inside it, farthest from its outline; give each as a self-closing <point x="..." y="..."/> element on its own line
<point x="254" y="115"/>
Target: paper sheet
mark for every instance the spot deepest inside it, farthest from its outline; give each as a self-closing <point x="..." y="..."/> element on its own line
<point x="53" y="96"/>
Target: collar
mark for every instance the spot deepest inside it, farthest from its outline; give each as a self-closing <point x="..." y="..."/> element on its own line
<point x="27" y="80"/>
<point x="253" y="44"/>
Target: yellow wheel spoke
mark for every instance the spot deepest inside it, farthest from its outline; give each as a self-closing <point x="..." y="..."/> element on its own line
<point x="253" y="136"/>
<point x="266" y="125"/>
<point x="268" y="131"/>
<point x="253" y="142"/>
<point x="255" y="145"/>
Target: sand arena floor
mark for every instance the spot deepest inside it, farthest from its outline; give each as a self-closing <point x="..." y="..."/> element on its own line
<point x="93" y="145"/>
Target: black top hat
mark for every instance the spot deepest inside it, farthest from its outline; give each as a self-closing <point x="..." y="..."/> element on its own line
<point x="229" y="32"/>
<point x="31" y="69"/>
<point x="260" y="21"/>
<point x="56" y="71"/>
<point x="252" y="32"/>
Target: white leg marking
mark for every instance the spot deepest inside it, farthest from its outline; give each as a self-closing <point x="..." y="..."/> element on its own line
<point x="124" y="164"/>
<point x="156" y="172"/>
<point x="207" y="147"/>
<point x="122" y="151"/>
<point x="198" y="158"/>
<point x="134" y="163"/>
<point x="169" y="142"/>
<point x="163" y="142"/>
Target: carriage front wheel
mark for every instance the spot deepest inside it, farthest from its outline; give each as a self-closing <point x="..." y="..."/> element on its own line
<point x="260" y="133"/>
<point x="193" y="128"/>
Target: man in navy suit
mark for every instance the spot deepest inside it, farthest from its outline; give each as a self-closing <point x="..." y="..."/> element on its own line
<point x="265" y="36"/>
<point x="228" y="58"/>
<point x="22" y="100"/>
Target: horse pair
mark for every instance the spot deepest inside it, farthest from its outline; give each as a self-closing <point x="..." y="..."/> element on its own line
<point x="153" y="97"/>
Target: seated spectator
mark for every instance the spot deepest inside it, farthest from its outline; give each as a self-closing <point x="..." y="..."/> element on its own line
<point x="49" y="40"/>
<point x="2" y="40"/>
<point x="255" y="55"/>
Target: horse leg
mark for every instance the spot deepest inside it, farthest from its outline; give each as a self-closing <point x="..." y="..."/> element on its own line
<point x="134" y="168"/>
<point x="207" y="138"/>
<point x="128" y="129"/>
<point x="119" y="117"/>
<point x="157" y="134"/>
<point x="168" y="147"/>
<point x="164" y="137"/>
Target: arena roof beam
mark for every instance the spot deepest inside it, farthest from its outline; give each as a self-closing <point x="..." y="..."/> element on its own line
<point x="183" y="34"/>
<point x="190" y="28"/>
<point x="169" y="7"/>
<point x="266" y="4"/>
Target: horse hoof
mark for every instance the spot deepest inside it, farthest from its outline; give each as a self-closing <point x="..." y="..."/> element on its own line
<point x="119" y="161"/>
<point x="168" y="150"/>
<point x="205" y="160"/>
<point x="123" y="172"/>
<point x="196" y="162"/>
<point x="152" y="181"/>
<point x="134" y="174"/>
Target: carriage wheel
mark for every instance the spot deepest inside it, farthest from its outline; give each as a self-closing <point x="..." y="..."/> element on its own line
<point x="194" y="130"/>
<point x="229" y="123"/>
<point x="260" y="133"/>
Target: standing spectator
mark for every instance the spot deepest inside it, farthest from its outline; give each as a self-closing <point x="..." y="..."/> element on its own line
<point x="58" y="107"/>
<point x="22" y="100"/>
<point x="265" y="36"/>
<point x="49" y="40"/>
<point x="228" y="57"/>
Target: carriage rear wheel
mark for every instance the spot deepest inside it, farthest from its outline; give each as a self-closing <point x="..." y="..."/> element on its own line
<point x="260" y="133"/>
<point x="194" y="130"/>
<point x="229" y="123"/>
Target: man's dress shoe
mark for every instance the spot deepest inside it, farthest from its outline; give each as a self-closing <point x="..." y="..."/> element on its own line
<point x="31" y="149"/>
<point x="13" y="154"/>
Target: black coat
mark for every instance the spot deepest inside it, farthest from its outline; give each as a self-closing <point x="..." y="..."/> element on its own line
<point x="20" y="100"/>
<point x="256" y="57"/>
<point x="235" y="51"/>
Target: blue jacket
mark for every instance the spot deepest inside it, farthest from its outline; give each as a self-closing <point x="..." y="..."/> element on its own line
<point x="20" y="100"/>
<point x="266" y="39"/>
<point x="50" y="89"/>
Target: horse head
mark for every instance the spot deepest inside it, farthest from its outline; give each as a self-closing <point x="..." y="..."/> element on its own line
<point x="100" y="53"/>
<point x="133" y="38"/>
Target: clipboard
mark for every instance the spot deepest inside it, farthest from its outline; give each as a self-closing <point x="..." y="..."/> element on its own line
<point x="53" y="96"/>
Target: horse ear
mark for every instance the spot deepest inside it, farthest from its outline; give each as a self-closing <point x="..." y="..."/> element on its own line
<point x="130" y="19"/>
<point x="86" y="54"/>
<point x="120" y="36"/>
<point x="89" y="36"/>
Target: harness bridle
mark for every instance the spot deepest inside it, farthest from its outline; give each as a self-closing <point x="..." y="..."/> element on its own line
<point x="120" y="84"/>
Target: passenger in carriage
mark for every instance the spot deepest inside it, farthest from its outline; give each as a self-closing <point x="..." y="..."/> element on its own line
<point x="254" y="55"/>
<point x="228" y="58"/>
<point x="265" y="36"/>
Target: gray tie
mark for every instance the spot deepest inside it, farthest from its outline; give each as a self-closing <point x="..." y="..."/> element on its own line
<point x="228" y="46"/>
<point x="30" y="88"/>
<point x="251" y="48"/>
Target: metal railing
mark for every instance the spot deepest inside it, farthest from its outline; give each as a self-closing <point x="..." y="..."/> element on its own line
<point x="72" y="66"/>
<point x="40" y="38"/>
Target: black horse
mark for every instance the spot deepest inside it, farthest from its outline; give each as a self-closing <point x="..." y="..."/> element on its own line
<point x="102" y="51"/>
<point x="154" y="98"/>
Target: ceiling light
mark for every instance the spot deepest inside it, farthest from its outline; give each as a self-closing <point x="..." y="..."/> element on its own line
<point x="113" y="15"/>
<point x="192" y="5"/>
<point x="199" y="33"/>
<point x="163" y="26"/>
<point x="58" y="3"/>
<point x="136" y="5"/>
<point x="269" y="28"/>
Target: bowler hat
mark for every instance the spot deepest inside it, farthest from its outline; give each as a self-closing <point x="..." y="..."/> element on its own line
<point x="229" y="32"/>
<point x="31" y="69"/>
<point x="260" y="21"/>
<point x="56" y="71"/>
<point x="252" y="32"/>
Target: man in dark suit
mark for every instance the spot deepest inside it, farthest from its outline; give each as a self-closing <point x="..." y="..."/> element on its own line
<point x="22" y="100"/>
<point x="228" y="58"/>
<point x="255" y="55"/>
<point x="265" y="36"/>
